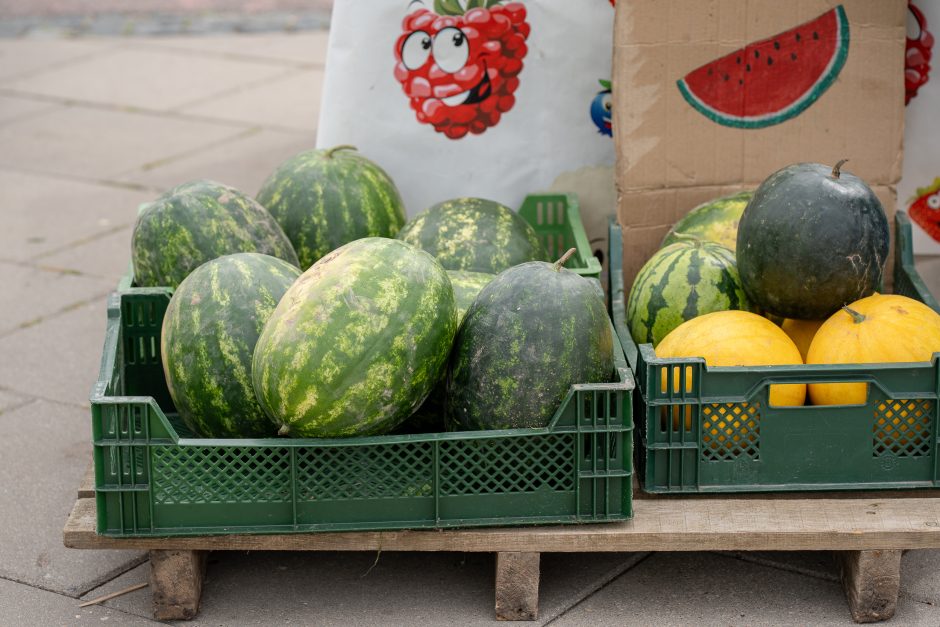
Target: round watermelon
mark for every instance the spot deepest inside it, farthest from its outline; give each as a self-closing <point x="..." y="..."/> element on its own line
<point x="532" y="333"/>
<point x="195" y="223"/>
<point x="209" y="332"/>
<point x="326" y="198"/>
<point x="474" y="234"/>
<point x="466" y="287"/>
<point x="680" y="282"/>
<point x="715" y="221"/>
<point x="357" y="342"/>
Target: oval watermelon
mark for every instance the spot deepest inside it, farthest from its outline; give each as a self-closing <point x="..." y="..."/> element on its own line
<point x="357" y="342"/>
<point x="532" y="333"/>
<point x="197" y="222"/>
<point x="326" y="198"/>
<point x="680" y="282"/>
<point x="474" y="234"/>
<point x="209" y="332"/>
<point x="715" y="221"/>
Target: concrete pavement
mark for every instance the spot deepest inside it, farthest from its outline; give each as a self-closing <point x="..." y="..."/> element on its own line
<point x="92" y="127"/>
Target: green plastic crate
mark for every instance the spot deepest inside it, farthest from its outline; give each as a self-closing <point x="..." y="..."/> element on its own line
<point x="889" y="442"/>
<point x="154" y="478"/>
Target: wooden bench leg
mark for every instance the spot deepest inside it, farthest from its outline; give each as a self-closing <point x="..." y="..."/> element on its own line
<point x="176" y="582"/>
<point x="872" y="580"/>
<point x="517" y="586"/>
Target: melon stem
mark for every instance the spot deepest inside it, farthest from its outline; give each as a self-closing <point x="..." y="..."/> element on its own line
<point x="284" y="430"/>
<point x="329" y="153"/>
<point x="564" y="258"/>
<point x="837" y="168"/>
<point x="857" y="318"/>
<point x="688" y="237"/>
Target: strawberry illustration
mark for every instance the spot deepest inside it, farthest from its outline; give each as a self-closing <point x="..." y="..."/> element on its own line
<point x="917" y="59"/>
<point x="459" y="63"/>
<point x="925" y="209"/>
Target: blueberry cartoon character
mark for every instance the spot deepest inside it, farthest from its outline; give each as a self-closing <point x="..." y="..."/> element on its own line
<point x="600" y="110"/>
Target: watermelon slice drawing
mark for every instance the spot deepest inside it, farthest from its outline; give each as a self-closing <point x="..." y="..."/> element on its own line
<point x="772" y="80"/>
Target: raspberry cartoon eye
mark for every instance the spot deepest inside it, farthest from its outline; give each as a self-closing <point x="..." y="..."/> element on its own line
<point x="416" y="50"/>
<point x="451" y="49"/>
<point x="934" y="202"/>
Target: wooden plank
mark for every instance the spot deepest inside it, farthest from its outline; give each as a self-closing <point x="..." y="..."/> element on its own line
<point x="176" y="581"/>
<point x="86" y="489"/>
<point x="872" y="581"/>
<point x="659" y="525"/>
<point x="517" y="585"/>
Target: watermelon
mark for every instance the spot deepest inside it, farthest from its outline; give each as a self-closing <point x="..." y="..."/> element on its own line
<point x="682" y="281"/>
<point x="326" y="198"/>
<point x="357" y="342"/>
<point x="474" y="234"/>
<point x="466" y="287"/>
<point x="715" y="221"/>
<point x="209" y="332"/>
<point x="533" y="332"/>
<point x="195" y="223"/>
<point x="772" y="80"/>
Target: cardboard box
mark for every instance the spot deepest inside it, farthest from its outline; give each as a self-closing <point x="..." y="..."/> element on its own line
<point x="680" y="145"/>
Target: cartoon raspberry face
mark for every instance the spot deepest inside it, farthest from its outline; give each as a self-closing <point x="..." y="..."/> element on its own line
<point x="459" y="64"/>
<point x="925" y="209"/>
<point x="917" y="59"/>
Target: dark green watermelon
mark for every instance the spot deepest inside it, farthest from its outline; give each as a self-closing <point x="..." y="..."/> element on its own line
<point x="812" y="239"/>
<point x="532" y="333"/>
<point x="209" y="332"/>
<point x="197" y="222"/>
<point x="326" y="198"/>
<point x="474" y="234"/>
<point x="357" y="342"/>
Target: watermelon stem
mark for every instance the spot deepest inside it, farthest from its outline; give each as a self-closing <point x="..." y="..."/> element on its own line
<point x="857" y="318"/>
<point x="284" y="430"/>
<point x="688" y="237"/>
<point x="564" y="258"/>
<point x="837" y="168"/>
<point x="329" y="153"/>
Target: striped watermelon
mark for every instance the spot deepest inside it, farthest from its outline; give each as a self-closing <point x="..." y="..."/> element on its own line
<point x="326" y="198"/>
<point x="466" y="287"/>
<point x="195" y="223"/>
<point x="209" y="332"/>
<point x="680" y="282"/>
<point x="474" y="234"/>
<point x="357" y="342"/>
<point x="532" y="333"/>
<point x="715" y="221"/>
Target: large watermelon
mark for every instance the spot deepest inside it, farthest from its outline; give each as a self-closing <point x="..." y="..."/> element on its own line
<point x="197" y="222"/>
<point x="326" y="198"/>
<point x="773" y="79"/>
<point x="532" y="333"/>
<point x="474" y="234"/>
<point x="357" y="342"/>
<point x="466" y="287"/>
<point x="209" y="332"/>
<point x="680" y="282"/>
<point x="715" y="221"/>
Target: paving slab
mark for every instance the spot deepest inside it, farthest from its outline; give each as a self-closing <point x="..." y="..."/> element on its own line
<point x="289" y="102"/>
<point x="263" y="588"/>
<point x="57" y="359"/>
<point x="104" y="258"/>
<point x="94" y="144"/>
<point x="13" y="108"/>
<point x="43" y="214"/>
<point x="46" y="450"/>
<point x="10" y="400"/>
<point x="150" y="79"/>
<point x="243" y="163"/>
<point x="306" y="48"/>
<point x="710" y="589"/>
<point x="24" y="605"/>
<point x="817" y="564"/>
<point x="30" y="294"/>
<point x="22" y="57"/>
<point x="920" y="576"/>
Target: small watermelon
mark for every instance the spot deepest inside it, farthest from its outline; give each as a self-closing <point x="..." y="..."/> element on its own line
<point x="197" y="222"/>
<point x="357" y="342"/>
<point x="715" y="221"/>
<point x="326" y="198"/>
<point x="209" y="332"/>
<point x="474" y="234"/>
<point x="532" y="333"/>
<point x="774" y="79"/>
<point x="682" y="281"/>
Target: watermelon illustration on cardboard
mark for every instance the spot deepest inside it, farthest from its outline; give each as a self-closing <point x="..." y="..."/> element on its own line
<point x="774" y="79"/>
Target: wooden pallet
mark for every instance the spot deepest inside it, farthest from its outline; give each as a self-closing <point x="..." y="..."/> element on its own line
<point x="867" y="532"/>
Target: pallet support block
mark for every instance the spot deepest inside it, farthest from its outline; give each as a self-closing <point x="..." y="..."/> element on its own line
<point x="517" y="586"/>
<point x="176" y="583"/>
<point x="872" y="580"/>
